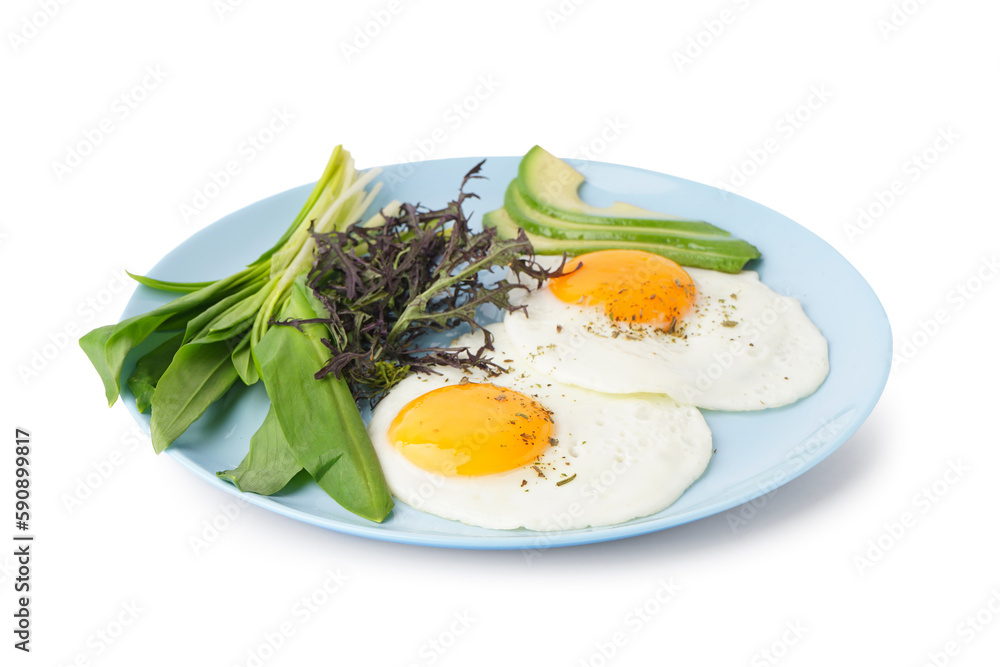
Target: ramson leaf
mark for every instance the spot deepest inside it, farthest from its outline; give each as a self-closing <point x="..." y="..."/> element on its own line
<point x="149" y="369"/>
<point x="108" y="346"/>
<point x="319" y="418"/>
<point x="269" y="465"/>
<point x="197" y="376"/>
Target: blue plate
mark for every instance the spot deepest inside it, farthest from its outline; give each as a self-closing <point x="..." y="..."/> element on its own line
<point x="755" y="451"/>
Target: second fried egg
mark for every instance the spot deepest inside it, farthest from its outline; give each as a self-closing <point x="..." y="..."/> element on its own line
<point x="628" y="321"/>
<point x="520" y="449"/>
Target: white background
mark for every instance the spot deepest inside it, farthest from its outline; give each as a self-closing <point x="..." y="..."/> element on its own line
<point x="822" y="555"/>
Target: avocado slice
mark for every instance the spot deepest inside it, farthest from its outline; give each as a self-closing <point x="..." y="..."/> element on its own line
<point x="544" y="201"/>
<point x="508" y="228"/>
<point x="539" y="223"/>
<point x="552" y="186"/>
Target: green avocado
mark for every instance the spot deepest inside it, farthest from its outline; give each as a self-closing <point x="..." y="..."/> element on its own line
<point x="552" y="186"/>
<point x="508" y="228"/>
<point x="684" y="236"/>
<point x="544" y="201"/>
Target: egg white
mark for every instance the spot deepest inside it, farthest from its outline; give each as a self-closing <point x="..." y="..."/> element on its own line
<point x="741" y="347"/>
<point x="632" y="455"/>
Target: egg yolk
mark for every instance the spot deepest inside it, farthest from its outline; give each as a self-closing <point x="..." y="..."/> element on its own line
<point x="471" y="429"/>
<point x="631" y="286"/>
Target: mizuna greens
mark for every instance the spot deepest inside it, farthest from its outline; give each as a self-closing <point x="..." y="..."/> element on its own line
<point x="351" y="332"/>
<point x="385" y="286"/>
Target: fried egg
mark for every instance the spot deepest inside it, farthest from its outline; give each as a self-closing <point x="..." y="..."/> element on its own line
<point x="628" y="321"/>
<point x="521" y="450"/>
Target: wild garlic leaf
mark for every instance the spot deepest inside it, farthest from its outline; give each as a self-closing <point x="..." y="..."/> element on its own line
<point x="319" y="418"/>
<point x="242" y="357"/>
<point x="167" y="285"/>
<point x="108" y="346"/>
<point x="269" y="465"/>
<point x="149" y="369"/>
<point x="197" y="376"/>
